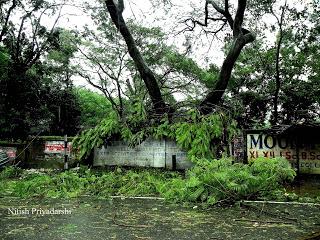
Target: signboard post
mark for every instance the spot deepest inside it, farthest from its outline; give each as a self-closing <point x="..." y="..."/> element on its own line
<point x="65" y="152"/>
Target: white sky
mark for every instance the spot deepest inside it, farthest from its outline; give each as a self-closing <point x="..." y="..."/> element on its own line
<point x="204" y="51"/>
<point x="143" y="12"/>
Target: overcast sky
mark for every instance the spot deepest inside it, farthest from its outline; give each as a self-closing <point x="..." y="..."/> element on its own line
<point x="205" y="50"/>
<point x="143" y="12"/>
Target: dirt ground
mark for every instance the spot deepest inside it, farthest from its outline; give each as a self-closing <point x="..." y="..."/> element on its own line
<point x="153" y="219"/>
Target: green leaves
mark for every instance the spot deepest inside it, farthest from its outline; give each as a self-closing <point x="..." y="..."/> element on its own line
<point x="84" y="143"/>
<point x="220" y="180"/>
<point x="94" y="107"/>
<point x="187" y="66"/>
<point x="197" y="134"/>
<point x="208" y="182"/>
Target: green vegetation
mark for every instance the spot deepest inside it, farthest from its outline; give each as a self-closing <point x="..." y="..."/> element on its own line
<point x="94" y="107"/>
<point x="154" y="87"/>
<point x="10" y="172"/>
<point x="198" y="134"/>
<point x="208" y="182"/>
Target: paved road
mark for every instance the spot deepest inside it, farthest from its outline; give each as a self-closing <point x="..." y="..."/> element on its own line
<point x="86" y="218"/>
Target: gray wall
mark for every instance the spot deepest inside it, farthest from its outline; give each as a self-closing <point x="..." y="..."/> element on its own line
<point x="150" y="153"/>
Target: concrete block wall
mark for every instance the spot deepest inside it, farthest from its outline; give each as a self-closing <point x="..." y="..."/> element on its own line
<point x="150" y="153"/>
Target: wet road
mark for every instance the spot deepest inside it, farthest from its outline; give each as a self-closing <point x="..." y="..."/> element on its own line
<point x="88" y="218"/>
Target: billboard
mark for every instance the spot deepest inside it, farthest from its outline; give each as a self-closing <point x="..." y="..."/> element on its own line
<point x="56" y="147"/>
<point x="304" y="156"/>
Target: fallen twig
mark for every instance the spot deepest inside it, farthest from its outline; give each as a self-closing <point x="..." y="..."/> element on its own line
<point x="289" y="203"/>
<point x="147" y="198"/>
<point x="261" y="221"/>
<point x="269" y="213"/>
<point x="127" y="225"/>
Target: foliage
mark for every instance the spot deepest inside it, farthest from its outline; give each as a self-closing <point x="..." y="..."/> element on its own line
<point x="85" y="142"/>
<point x="198" y="134"/>
<point x="253" y="86"/>
<point x="94" y="107"/>
<point x="188" y="67"/>
<point x="37" y="65"/>
<point x="208" y="182"/>
<point x="34" y="98"/>
<point x="222" y="181"/>
<point x="132" y="182"/>
<point x="35" y="85"/>
<point x="10" y="172"/>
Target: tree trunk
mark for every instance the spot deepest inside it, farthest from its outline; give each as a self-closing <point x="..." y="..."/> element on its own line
<point x="215" y="95"/>
<point x="275" y="119"/>
<point x="146" y="74"/>
<point x="278" y="84"/>
<point x="241" y="37"/>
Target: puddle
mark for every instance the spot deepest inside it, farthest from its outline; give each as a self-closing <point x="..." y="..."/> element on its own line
<point x="306" y="186"/>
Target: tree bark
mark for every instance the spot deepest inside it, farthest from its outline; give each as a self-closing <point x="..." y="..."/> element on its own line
<point x="115" y="11"/>
<point x="241" y="37"/>
<point x="275" y="119"/>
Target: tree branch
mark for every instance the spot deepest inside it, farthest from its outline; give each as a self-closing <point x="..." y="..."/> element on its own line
<point x="277" y="75"/>
<point x="37" y="53"/>
<point x="225" y="12"/>
<point x="241" y="38"/>
<point x="146" y="74"/>
<point x="238" y="20"/>
<point x="5" y="25"/>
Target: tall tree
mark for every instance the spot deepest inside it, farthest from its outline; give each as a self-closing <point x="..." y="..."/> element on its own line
<point x="27" y="91"/>
<point x="115" y="10"/>
<point x="107" y="66"/>
<point x="5" y="14"/>
<point x="280" y="23"/>
<point x="282" y="64"/>
<point x="241" y="37"/>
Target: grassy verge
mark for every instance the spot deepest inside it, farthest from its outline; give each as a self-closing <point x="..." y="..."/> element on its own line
<point x="209" y="182"/>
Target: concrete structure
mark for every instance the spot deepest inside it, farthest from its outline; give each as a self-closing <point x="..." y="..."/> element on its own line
<point x="150" y="153"/>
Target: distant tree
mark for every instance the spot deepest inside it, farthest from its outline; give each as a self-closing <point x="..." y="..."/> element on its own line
<point x="94" y="107"/>
<point x="32" y="97"/>
<point x="277" y="82"/>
